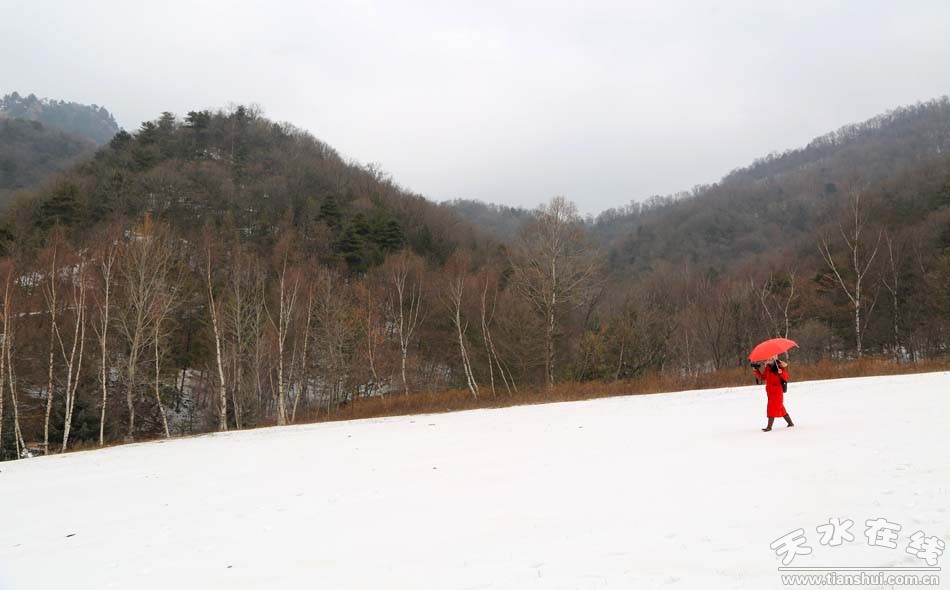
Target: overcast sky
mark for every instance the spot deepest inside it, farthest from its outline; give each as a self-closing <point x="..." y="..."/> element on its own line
<point x="505" y="101"/>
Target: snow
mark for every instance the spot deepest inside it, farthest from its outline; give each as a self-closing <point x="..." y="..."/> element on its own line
<point x="671" y="490"/>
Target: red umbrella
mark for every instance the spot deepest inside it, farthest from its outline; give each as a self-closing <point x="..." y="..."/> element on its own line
<point x="770" y="348"/>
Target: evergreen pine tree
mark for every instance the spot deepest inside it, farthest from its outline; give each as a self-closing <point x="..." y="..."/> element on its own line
<point x="330" y="212"/>
<point x="389" y="235"/>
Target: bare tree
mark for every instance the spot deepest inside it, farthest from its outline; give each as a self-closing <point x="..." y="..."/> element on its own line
<point x="455" y="286"/>
<point x="160" y="311"/>
<point x="768" y="297"/>
<point x="6" y="350"/>
<point x="288" y="282"/>
<point x="302" y="388"/>
<point x="108" y="255"/>
<point x="50" y="292"/>
<point x="554" y="269"/>
<point x="857" y="219"/>
<point x="73" y="360"/>
<point x="243" y="312"/>
<point x="144" y="269"/>
<point x="336" y="333"/>
<point x="215" y="325"/>
<point x="709" y="314"/>
<point x="892" y="282"/>
<point x="487" y="314"/>
<point x="372" y="329"/>
<point x="405" y="303"/>
<point x="259" y="311"/>
<point x="6" y="360"/>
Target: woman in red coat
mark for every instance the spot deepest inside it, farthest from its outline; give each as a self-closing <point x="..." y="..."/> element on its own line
<point x="775" y="375"/>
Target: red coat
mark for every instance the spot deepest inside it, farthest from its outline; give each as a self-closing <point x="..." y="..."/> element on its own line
<point x="773" y="388"/>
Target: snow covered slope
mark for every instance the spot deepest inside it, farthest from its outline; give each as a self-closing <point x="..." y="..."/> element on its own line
<point x="673" y="490"/>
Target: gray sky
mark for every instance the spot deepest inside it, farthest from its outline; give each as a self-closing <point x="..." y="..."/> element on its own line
<point x="504" y="101"/>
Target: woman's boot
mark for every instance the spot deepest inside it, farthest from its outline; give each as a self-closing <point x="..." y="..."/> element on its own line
<point x="788" y="419"/>
<point x="769" y="427"/>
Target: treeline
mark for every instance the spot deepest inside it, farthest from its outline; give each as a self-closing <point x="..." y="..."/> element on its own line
<point x="138" y="331"/>
<point x="224" y="271"/>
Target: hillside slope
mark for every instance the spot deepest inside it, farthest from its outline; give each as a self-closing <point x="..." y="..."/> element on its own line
<point x="782" y="203"/>
<point x="30" y="152"/>
<point x="640" y="492"/>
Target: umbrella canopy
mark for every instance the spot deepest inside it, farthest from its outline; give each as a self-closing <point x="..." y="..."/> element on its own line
<point x="770" y="348"/>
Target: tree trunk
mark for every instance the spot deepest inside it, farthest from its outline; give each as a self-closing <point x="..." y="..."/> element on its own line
<point x="485" y="337"/>
<point x="158" y="396"/>
<point x="236" y="398"/>
<point x="405" y="381"/>
<point x="285" y="312"/>
<point x="304" y="381"/>
<point x="466" y="365"/>
<point x="857" y="325"/>
<point x="549" y="347"/>
<point x="74" y="364"/>
<point x="17" y="433"/>
<point x="49" y="384"/>
<point x="129" y="393"/>
<point x="6" y="370"/>
<point x="222" y="386"/>
<point x="103" y="360"/>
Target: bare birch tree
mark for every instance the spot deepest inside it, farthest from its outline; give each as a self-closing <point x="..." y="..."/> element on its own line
<point x="160" y="310"/>
<point x="487" y="314"/>
<point x="217" y="331"/>
<point x="554" y="269"/>
<point x="50" y="295"/>
<point x="859" y="264"/>
<point x="259" y="319"/>
<point x="6" y="365"/>
<point x="243" y="319"/>
<point x="303" y="386"/>
<point x="336" y="328"/>
<point x="107" y="255"/>
<point x="73" y="360"/>
<point x="455" y="284"/>
<point x="372" y="329"/>
<point x="144" y="271"/>
<point x="892" y="282"/>
<point x="405" y="272"/>
<point x="9" y="333"/>
<point x="288" y="281"/>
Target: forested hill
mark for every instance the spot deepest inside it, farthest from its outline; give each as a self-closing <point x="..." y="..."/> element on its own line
<point x="240" y="169"/>
<point x="30" y="151"/>
<point x="899" y="160"/>
<point x="91" y="122"/>
<point x="778" y="204"/>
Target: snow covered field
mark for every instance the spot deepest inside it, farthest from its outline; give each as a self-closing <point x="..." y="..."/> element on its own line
<point x="673" y="490"/>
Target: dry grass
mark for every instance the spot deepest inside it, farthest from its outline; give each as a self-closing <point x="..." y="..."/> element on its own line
<point x="398" y="404"/>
